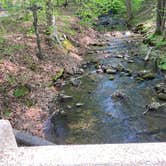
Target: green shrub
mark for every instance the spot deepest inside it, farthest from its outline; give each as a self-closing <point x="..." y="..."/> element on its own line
<point x="94" y="8"/>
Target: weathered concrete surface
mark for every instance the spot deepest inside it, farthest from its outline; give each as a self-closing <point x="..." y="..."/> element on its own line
<point x="7" y="139"/>
<point x="151" y="154"/>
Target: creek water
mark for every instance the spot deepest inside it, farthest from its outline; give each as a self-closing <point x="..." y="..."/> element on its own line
<point x="101" y="118"/>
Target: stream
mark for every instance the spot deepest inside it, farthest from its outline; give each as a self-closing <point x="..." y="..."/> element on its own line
<point x="94" y="115"/>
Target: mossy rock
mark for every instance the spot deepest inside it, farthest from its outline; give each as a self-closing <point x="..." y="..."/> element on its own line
<point x="162" y="96"/>
<point x="111" y="78"/>
<point x="68" y="45"/>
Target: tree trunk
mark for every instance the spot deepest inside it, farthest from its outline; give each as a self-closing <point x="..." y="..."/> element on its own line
<point x="161" y="16"/>
<point x="51" y="23"/>
<point x="49" y="14"/>
<point x="129" y="9"/>
<point x="34" y="10"/>
<point x="164" y="34"/>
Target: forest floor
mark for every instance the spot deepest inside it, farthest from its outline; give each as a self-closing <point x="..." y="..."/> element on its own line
<point x="26" y="83"/>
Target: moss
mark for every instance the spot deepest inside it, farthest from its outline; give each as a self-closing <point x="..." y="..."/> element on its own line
<point x="67" y="45"/>
<point x="58" y="75"/>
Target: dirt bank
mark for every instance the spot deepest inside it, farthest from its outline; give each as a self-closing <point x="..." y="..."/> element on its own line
<point x="20" y="69"/>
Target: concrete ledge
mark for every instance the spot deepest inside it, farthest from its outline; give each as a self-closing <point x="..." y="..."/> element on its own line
<point x="148" y="154"/>
<point x="116" y="154"/>
<point x="7" y="139"/>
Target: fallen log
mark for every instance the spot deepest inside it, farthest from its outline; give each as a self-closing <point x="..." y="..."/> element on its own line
<point x="28" y="139"/>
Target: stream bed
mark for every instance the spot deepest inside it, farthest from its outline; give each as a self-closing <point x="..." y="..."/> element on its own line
<point x="95" y="114"/>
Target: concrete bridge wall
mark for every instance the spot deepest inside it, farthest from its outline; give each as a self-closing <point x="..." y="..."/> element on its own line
<point x="148" y="154"/>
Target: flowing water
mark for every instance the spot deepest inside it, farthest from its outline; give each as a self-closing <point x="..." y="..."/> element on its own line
<point x="101" y="118"/>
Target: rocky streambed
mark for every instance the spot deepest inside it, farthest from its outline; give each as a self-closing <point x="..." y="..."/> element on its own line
<point x="117" y="98"/>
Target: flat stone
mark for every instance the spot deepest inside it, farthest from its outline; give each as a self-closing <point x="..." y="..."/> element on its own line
<point x="130" y="61"/>
<point x="99" y="71"/>
<point x="111" y="71"/>
<point x="79" y="104"/>
<point x="64" y="98"/>
<point x="119" y="56"/>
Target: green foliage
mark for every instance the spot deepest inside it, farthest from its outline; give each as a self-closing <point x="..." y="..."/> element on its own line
<point x="94" y="8"/>
<point x="157" y="40"/>
<point x="30" y="31"/>
<point x="10" y="50"/>
<point x="2" y="40"/>
<point x="136" y="4"/>
<point x="21" y="91"/>
<point x="162" y="64"/>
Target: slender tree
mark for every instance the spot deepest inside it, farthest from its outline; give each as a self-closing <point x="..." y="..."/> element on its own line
<point x="51" y="23"/>
<point x="34" y="8"/>
<point x="49" y="13"/>
<point x="129" y="9"/>
<point x="161" y="17"/>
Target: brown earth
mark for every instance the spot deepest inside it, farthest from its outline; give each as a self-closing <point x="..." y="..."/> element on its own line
<point x="19" y="66"/>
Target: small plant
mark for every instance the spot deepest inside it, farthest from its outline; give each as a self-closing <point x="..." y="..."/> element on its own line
<point x="156" y="40"/>
<point x="30" y="31"/>
<point x="21" y="91"/>
<point x="162" y="64"/>
<point x="2" y="40"/>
